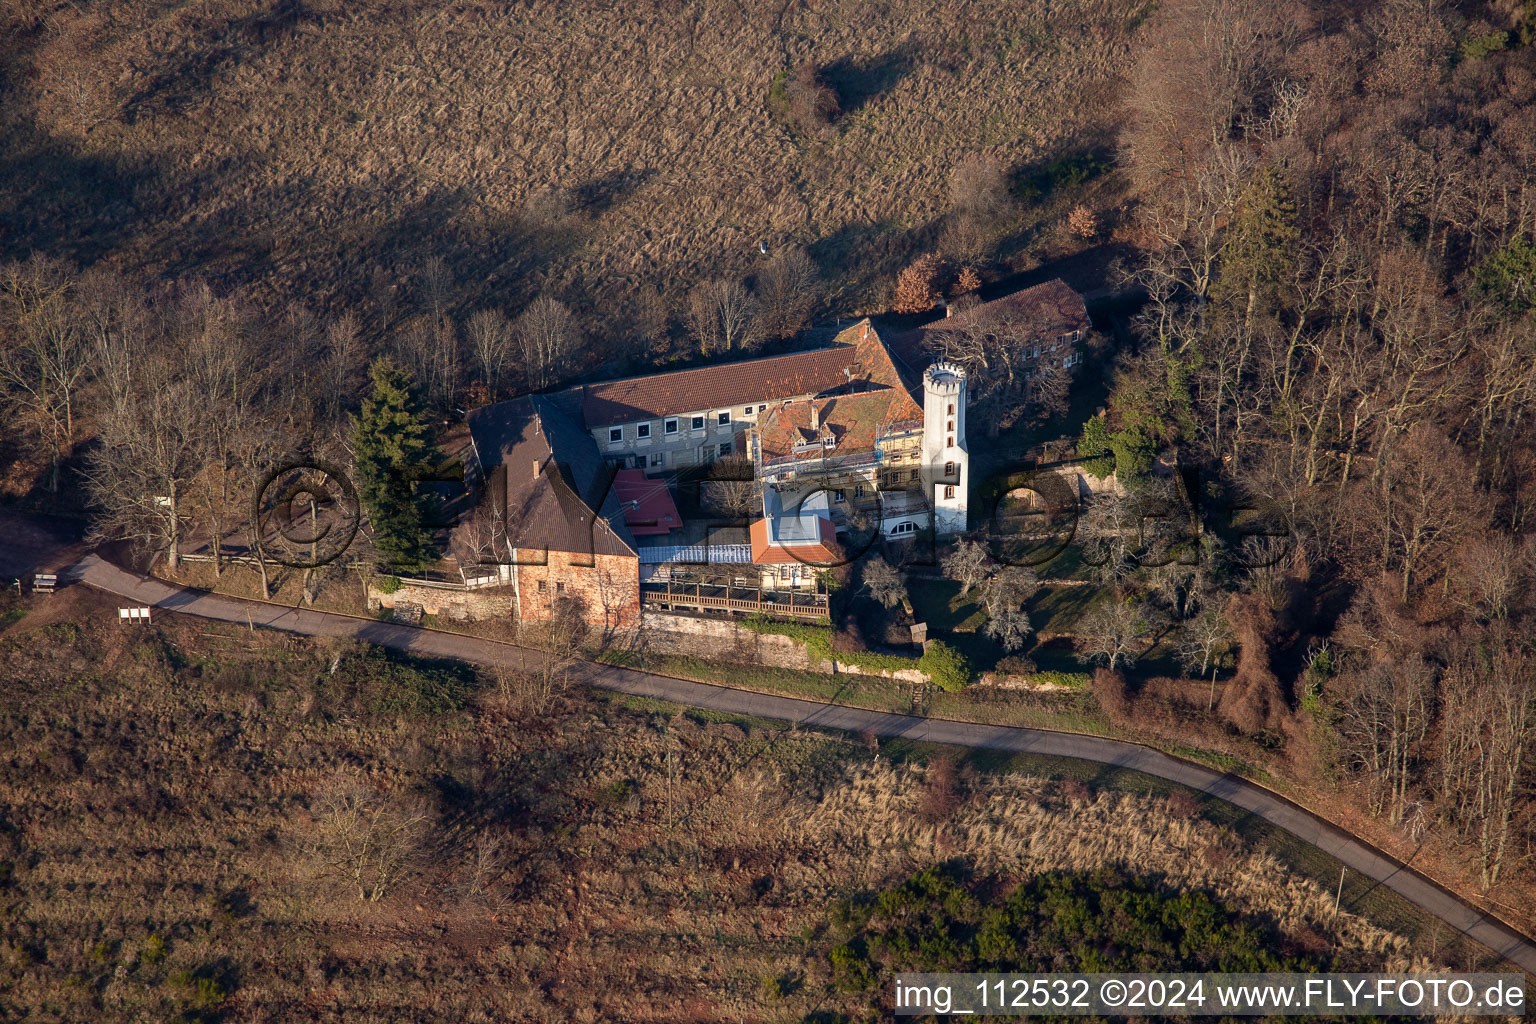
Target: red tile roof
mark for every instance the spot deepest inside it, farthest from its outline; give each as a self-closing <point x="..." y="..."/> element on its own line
<point x="825" y="551"/>
<point x="857" y="349"/>
<point x="648" y="507"/>
<point x="852" y="420"/>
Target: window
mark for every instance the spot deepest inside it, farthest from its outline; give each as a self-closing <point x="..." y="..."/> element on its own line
<point x="858" y="491"/>
<point x="697" y="423"/>
<point x="913" y="475"/>
<point x="949" y="469"/>
<point x="949" y="442"/>
<point x="949" y="490"/>
<point x="560" y="587"/>
<point x="901" y="529"/>
<point x="725" y="449"/>
<point x="615" y="435"/>
<point x="543" y="586"/>
<point x="658" y="458"/>
<point x="951" y="408"/>
<point x="950" y="426"/>
<point x="723" y="418"/>
<point x="761" y="408"/>
<point x="643" y="430"/>
<point x="669" y="426"/>
<point x="747" y="411"/>
<point x="839" y="495"/>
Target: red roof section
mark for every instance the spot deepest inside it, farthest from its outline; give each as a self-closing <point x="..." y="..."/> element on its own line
<point x="852" y="420"/>
<point x="858" y="349"/>
<point x="824" y="552"/>
<point x="653" y="513"/>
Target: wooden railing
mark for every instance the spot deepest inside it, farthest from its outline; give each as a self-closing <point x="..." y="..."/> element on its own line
<point x="788" y="602"/>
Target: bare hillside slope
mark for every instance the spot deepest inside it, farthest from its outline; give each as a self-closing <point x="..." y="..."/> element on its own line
<point x="321" y="150"/>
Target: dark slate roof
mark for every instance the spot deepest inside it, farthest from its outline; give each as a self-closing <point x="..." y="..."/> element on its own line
<point x="554" y="478"/>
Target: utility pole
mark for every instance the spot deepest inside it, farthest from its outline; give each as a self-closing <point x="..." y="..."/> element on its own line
<point x="1340" y="894"/>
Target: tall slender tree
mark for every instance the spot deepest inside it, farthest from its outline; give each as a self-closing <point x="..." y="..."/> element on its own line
<point x="394" y="450"/>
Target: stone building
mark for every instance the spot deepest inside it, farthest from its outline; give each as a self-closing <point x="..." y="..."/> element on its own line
<point x="563" y="532"/>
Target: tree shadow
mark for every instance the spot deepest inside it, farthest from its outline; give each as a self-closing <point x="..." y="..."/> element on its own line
<point x="597" y="195"/>
<point x="857" y="81"/>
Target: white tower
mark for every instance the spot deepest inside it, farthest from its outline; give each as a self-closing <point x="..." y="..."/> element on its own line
<point x="945" y="463"/>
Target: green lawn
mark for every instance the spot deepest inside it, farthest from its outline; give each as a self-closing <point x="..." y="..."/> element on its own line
<point x="1058" y="609"/>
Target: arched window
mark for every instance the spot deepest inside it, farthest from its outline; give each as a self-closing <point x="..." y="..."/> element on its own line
<point x="901" y="529"/>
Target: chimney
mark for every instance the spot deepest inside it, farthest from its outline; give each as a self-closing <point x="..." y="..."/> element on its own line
<point x="537" y="466"/>
<point x="949" y="310"/>
<point x="815" y="419"/>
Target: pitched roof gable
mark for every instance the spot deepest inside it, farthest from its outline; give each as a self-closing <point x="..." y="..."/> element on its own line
<point x="857" y="351"/>
<point x="559" y="491"/>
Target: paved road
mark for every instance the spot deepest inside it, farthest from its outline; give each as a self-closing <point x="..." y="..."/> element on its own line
<point x="1357" y="855"/>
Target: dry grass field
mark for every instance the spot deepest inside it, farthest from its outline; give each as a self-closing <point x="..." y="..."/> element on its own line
<point x="176" y="807"/>
<point x="321" y="150"/>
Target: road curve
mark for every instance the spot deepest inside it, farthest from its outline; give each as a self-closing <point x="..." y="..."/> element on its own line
<point x="1354" y="853"/>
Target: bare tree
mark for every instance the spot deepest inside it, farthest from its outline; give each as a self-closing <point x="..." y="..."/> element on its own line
<point x="481" y="538"/>
<point x="787" y="291"/>
<point x="1009" y="627"/>
<point x="490" y="337"/>
<point x="1490" y="573"/>
<point x="1384" y="718"/>
<point x="345" y="357"/>
<point x="43" y="353"/>
<point x="812" y="105"/>
<point x="967" y="563"/>
<point x="1203" y="638"/>
<point x="435" y="283"/>
<point x="732" y="490"/>
<point x="978" y="187"/>
<point x="720" y="315"/>
<point x="1423" y="501"/>
<point x="1486" y="731"/>
<point x="369" y="840"/>
<point x="1009" y="587"/>
<point x="884" y="582"/>
<point x="150" y="451"/>
<point x="1114" y="632"/>
<point x="549" y="335"/>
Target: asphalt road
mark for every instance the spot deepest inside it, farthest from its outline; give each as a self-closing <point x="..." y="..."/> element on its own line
<point x="1357" y="855"/>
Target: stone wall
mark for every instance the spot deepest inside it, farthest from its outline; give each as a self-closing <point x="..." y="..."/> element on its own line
<point x="608" y="586"/>
<point x="459" y="605"/>
<point x="726" y="640"/>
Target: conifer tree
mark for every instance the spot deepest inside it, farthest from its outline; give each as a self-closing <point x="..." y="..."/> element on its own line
<point x="394" y="451"/>
<point x="1261" y="243"/>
